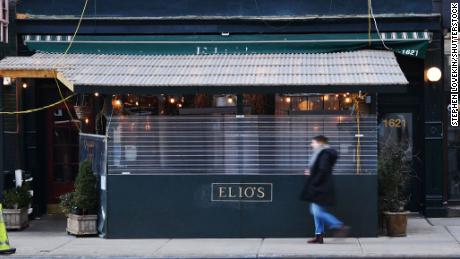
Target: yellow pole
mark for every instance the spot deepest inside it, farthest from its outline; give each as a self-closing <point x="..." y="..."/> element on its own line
<point x="358" y="144"/>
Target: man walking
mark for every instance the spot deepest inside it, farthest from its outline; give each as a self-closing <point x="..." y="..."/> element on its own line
<point x="319" y="189"/>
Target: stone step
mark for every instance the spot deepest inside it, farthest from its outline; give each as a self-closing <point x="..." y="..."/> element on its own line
<point x="453" y="211"/>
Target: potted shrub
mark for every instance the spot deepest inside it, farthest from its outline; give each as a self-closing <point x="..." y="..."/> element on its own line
<point x="394" y="173"/>
<point x="16" y="202"/>
<point x="81" y="205"/>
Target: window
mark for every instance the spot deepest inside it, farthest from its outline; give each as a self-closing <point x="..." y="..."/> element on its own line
<point x="453" y="133"/>
<point x="319" y="103"/>
<point x="453" y="162"/>
<point x="4" y="21"/>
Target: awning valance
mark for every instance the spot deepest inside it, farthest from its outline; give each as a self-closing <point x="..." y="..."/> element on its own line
<point x="367" y="70"/>
<point x="406" y="43"/>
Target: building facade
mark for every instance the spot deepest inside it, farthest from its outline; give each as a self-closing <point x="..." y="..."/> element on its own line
<point x="208" y="107"/>
<point x="451" y="180"/>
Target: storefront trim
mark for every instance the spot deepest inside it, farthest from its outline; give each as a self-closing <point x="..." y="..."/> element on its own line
<point x="412" y="44"/>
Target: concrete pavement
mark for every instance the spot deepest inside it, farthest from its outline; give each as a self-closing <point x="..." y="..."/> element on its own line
<point x="427" y="238"/>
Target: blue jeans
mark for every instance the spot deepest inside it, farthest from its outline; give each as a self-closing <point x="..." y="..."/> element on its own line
<point x="322" y="217"/>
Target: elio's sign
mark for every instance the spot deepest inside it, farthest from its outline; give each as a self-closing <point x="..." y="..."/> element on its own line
<point x="242" y="192"/>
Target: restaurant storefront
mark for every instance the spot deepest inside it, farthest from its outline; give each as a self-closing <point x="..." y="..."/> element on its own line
<point x="207" y="134"/>
<point x="452" y="142"/>
<point x="228" y="134"/>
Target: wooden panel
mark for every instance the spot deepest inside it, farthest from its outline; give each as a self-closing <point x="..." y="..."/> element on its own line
<point x="27" y="73"/>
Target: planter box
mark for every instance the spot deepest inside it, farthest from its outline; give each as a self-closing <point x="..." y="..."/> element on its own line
<point x="81" y="225"/>
<point x="16" y="218"/>
<point x="396" y="223"/>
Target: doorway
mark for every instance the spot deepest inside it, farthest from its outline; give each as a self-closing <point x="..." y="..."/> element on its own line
<point x="453" y="165"/>
<point x="398" y="127"/>
<point x="62" y="155"/>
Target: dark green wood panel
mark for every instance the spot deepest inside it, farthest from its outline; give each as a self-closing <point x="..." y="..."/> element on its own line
<point x="164" y="206"/>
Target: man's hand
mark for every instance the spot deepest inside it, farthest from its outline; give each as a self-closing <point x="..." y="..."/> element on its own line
<point x="306" y="172"/>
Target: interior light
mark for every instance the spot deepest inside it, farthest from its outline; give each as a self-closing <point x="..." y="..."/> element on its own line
<point x="137" y="103"/>
<point x="433" y="74"/>
<point x="172" y="100"/>
<point x="96" y="94"/>
<point x="348" y="100"/>
<point x="24" y="85"/>
<point x="87" y="121"/>
<point x="326" y="98"/>
<point x="230" y="100"/>
<point x="288" y="99"/>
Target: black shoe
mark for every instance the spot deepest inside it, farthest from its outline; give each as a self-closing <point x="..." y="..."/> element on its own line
<point x="318" y="239"/>
<point x="343" y="231"/>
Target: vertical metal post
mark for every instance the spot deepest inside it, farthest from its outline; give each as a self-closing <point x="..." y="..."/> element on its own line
<point x="433" y="159"/>
<point x="19" y="127"/>
<point x="239" y="104"/>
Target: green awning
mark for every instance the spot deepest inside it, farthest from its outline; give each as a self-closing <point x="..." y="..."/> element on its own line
<point x="406" y="43"/>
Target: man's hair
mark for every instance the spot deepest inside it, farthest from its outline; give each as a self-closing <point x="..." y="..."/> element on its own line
<point x="321" y="139"/>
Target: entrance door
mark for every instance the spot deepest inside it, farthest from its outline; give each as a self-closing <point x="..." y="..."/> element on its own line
<point x="453" y="165"/>
<point x="397" y="128"/>
<point x="62" y="154"/>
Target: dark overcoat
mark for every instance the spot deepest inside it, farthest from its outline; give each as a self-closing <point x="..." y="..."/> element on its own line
<point x="319" y="187"/>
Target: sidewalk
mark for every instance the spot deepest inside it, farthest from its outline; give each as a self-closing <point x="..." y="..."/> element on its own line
<point x="427" y="238"/>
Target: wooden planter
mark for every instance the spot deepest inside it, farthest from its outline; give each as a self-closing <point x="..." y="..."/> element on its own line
<point x="396" y="223"/>
<point x="81" y="225"/>
<point x="16" y="218"/>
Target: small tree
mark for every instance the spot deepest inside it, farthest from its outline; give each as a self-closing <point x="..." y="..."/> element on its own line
<point x="84" y="200"/>
<point x="394" y="173"/>
<point x="17" y="197"/>
<point x="68" y="202"/>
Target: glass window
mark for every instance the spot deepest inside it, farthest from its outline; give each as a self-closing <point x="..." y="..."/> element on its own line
<point x="447" y="61"/>
<point x="396" y="129"/>
<point x="298" y="103"/>
<point x="331" y="102"/>
<point x="453" y="157"/>
<point x="315" y="103"/>
<point x="4" y="18"/>
<point x="194" y="104"/>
